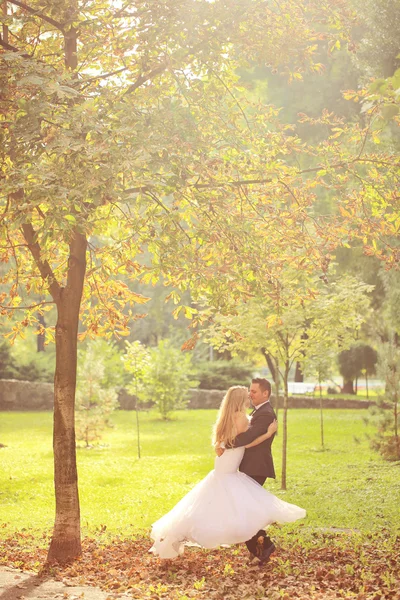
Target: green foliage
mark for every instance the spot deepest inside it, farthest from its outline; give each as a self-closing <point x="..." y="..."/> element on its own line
<point x="356" y="360"/>
<point x="330" y="314"/>
<point x="221" y="374"/>
<point x="377" y="36"/>
<point x="168" y="377"/>
<point x="5" y="360"/>
<point x="137" y="362"/>
<point x="111" y="357"/>
<point x="387" y="439"/>
<point x="27" y="364"/>
<point x="95" y="398"/>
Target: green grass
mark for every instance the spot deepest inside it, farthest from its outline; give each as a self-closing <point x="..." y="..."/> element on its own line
<point x="345" y="486"/>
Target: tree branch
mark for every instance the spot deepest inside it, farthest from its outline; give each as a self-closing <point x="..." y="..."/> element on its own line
<point x="43" y="266"/>
<point x="203" y="186"/>
<point x="12" y="48"/>
<point x="233" y="97"/>
<point x="25" y="307"/>
<point x="240" y="182"/>
<point x="103" y="76"/>
<point x="143" y="78"/>
<point x="162" y="67"/>
<point x="158" y="201"/>
<point x="37" y="13"/>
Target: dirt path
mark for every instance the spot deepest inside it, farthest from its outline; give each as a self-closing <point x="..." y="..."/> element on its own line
<point x="17" y="585"/>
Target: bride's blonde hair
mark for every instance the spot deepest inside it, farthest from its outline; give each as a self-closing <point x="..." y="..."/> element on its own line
<point x="235" y="400"/>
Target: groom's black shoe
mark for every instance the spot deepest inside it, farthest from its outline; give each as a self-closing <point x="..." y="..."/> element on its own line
<point x="266" y="553"/>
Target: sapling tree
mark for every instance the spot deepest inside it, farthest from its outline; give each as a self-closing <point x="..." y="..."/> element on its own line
<point x="168" y="378"/>
<point x="137" y="363"/>
<point x="329" y="313"/>
<point x="95" y="398"/>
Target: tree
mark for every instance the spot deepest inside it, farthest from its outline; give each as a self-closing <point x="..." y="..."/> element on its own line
<point x="319" y="362"/>
<point x="350" y="366"/>
<point x="369" y="361"/>
<point x="387" y="440"/>
<point x="106" y="153"/>
<point x="331" y="315"/>
<point x="95" y="398"/>
<point x="222" y="374"/>
<point x="168" y="378"/>
<point x="137" y="363"/>
<point x="355" y="361"/>
<point x="5" y="361"/>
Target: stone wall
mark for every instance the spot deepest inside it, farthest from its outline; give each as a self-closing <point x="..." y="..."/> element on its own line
<point x="28" y="395"/>
<point x="212" y="399"/>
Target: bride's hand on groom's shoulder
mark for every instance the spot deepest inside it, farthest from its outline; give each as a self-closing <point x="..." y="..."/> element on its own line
<point x="218" y="450"/>
<point x="273" y="427"/>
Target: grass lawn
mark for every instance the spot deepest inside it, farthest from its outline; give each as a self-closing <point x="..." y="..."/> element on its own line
<point x="345" y="486"/>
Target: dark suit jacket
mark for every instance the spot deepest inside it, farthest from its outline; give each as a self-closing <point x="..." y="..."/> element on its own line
<point x="257" y="461"/>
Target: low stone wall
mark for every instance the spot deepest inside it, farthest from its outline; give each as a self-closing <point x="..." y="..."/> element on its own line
<point x="29" y="395"/>
<point x="212" y="399"/>
<point x="26" y="395"/>
<point x="205" y="398"/>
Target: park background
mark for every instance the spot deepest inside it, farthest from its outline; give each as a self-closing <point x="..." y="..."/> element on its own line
<point x="271" y="252"/>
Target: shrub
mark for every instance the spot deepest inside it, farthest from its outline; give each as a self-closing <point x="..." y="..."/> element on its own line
<point x="169" y="377"/>
<point x="387" y="439"/>
<point x="222" y="374"/>
<point x="22" y="360"/>
<point x="95" y="398"/>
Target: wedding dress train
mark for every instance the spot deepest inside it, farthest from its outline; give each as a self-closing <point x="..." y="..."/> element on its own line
<point x="226" y="507"/>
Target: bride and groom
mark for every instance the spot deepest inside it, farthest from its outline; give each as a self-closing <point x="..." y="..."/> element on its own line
<point x="229" y="505"/>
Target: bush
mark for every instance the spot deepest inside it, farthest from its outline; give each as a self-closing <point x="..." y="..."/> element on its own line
<point x="96" y="398"/>
<point x="222" y="374"/>
<point x="22" y="361"/>
<point x="169" y="377"/>
<point x="387" y="446"/>
<point x="5" y="361"/>
<point x="387" y="439"/>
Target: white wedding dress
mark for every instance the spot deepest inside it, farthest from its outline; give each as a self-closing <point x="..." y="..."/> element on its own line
<point x="226" y="507"/>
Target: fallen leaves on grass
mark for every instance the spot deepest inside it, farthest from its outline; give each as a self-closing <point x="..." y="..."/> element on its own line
<point x="319" y="566"/>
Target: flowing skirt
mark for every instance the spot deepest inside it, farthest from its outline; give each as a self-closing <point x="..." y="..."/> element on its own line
<point x="223" y="508"/>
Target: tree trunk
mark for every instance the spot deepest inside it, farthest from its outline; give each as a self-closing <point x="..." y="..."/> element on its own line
<point x="284" y="436"/>
<point x="366" y="383"/>
<point x="274" y="370"/>
<point x="41" y="336"/>
<point x="321" y="413"/>
<point x="298" y="375"/>
<point x="5" y="28"/>
<point x="66" y="540"/>
<point x="137" y="408"/>
<point x="348" y="387"/>
<point x="276" y="389"/>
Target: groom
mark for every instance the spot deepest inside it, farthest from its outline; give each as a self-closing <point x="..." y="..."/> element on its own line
<point x="257" y="461"/>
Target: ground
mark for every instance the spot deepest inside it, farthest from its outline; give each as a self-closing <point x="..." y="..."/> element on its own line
<point x="18" y="585"/>
<point x="318" y="566"/>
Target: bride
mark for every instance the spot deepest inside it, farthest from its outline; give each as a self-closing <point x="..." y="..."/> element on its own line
<point x="227" y="506"/>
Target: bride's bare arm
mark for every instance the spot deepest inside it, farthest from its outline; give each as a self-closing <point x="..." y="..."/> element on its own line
<point x="261" y="438"/>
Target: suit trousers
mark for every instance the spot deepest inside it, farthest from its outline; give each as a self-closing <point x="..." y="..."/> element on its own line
<point x="252" y="543"/>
